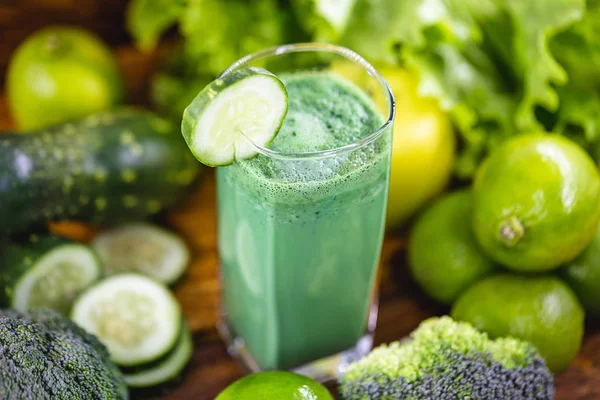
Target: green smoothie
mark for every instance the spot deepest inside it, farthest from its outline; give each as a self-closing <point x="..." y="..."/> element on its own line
<point x="300" y="238"/>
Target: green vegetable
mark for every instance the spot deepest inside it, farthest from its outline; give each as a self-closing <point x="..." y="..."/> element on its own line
<point x="148" y="19"/>
<point x="578" y="50"/>
<point x="487" y="62"/>
<point x="45" y="271"/>
<point x="215" y="34"/>
<point x="324" y="20"/>
<point x="135" y="317"/>
<point x="45" y="356"/>
<point x="499" y="67"/>
<point x="446" y="360"/>
<point x="145" y="248"/>
<point x="109" y="167"/>
<point x="375" y="27"/>
<point x="167" y="369"/>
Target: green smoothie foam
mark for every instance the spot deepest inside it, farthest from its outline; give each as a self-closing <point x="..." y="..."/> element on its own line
<point x="324" y="112"/>
<point x="299" y="239"/>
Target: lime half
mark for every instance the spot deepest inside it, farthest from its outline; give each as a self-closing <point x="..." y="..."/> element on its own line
<point x="233" y="114"/>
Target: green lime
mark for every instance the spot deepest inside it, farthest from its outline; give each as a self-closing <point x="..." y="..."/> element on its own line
<point x="275" y="385"/>
<point x="539" y="309"/>
<point x="443" y="255"/>
<point x="536" y="202"/>
<point x="583" y="275"/>
<point x="60" y="74"/>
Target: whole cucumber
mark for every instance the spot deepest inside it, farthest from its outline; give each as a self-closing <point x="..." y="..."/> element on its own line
<point x="109" y="167"/>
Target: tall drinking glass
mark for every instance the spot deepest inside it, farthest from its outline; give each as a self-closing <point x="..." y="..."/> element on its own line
<point x="300" y="233"/>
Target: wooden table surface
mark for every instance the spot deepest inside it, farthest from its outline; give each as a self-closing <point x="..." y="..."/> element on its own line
<point x="402" y="305"/>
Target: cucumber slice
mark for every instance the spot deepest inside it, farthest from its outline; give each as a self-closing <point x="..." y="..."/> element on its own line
<point x="167" y="370"/>
<point x="250" y="103"/>
<point x="45" y="272"/>
<point x="145" y="248"/>
<point x="134" y="316"/>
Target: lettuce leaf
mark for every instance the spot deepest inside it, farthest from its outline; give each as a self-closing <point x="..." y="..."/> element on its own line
<point x="377" y="28"/>
<point x="324" y="20"/>
<point x="488" y="62"/>
<point x="519" y="74"/>
<point x="147" y="20"/>
<point x="219" y="32"/>
<point x="469" y="87"/>
<point x="214" y="34"/>
<point x="534" y="23"/>
<point x="578" y="50"/>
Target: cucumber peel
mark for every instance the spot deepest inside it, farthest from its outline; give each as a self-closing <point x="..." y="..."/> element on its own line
<point x="233" y="114"/>
<point x="45" y="271"/>
<point x="168" y="369"/>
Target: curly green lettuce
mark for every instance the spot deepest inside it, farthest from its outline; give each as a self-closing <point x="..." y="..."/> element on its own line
<point x="498" y="67"/>
<point x="147" y="20"/>
<point x="578" y="50"/>
<point x="324" y="20"/>
<point x="488" y="62"/>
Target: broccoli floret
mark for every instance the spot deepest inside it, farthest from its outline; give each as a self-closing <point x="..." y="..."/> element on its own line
<point x="447" y="360"/>
<point x="43" y="355"/>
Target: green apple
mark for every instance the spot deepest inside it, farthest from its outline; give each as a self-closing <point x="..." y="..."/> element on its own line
<point x="60" y="74"/>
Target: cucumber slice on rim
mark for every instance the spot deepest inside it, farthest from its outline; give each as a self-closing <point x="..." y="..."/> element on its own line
<point x="168" y="369"/>
<point x="134" y="316"/>
<point x="250" y="103"/>
<point x="45" y="272"/>
<point x="145" y="248"/>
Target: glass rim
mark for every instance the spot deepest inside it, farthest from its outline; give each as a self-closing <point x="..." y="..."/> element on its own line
<point x="322" y="48"/>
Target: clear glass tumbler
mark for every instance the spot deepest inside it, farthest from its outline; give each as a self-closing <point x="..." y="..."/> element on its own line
<point x="300" y="235"/>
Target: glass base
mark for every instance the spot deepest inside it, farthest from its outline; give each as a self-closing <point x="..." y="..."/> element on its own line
<point x="323" y="370"/>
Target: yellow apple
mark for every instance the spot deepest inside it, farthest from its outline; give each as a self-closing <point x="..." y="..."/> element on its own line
<point x="423" y="148"/>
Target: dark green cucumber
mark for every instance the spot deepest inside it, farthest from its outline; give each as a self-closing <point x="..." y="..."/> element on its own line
<point x="109" y="167"/>
<point x="45" y="271"/>
<point x="168" y="369"/>
<point x="145" y="248"/>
